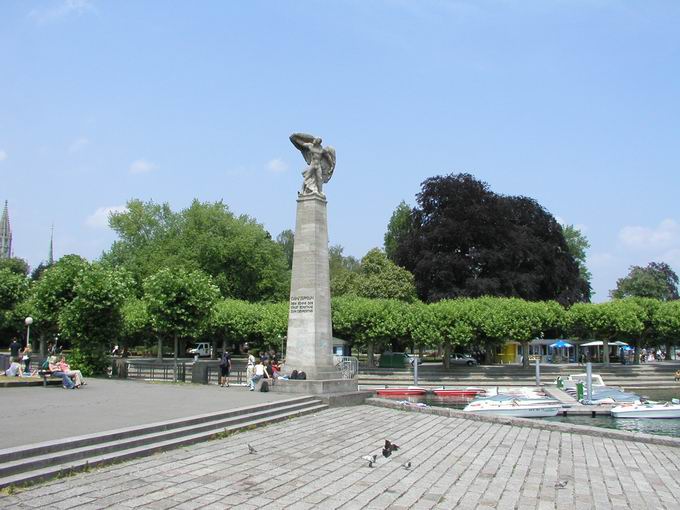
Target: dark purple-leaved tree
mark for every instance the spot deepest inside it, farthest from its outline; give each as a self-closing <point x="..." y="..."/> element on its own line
<point x="465" y="240"/>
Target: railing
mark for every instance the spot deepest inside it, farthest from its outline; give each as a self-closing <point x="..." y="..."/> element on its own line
<point x="348" y="366"/>
<point x="236" y="376"/>
<point x="154" y="371"/>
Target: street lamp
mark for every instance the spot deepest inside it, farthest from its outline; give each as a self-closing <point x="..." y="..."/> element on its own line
<point x="28" y="321"/>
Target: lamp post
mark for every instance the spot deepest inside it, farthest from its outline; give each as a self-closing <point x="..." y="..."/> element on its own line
<point x="28" y="321"/>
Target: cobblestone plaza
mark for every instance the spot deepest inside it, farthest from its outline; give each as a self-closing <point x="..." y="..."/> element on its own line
<point x="315" y="462"/>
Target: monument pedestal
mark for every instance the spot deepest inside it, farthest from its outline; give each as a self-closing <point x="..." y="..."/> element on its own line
<point x="310" y="335"/>
<point x="315" y="386"/>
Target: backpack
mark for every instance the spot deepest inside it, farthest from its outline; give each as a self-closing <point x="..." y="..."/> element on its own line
<point x="225" y="361"/>
<point x="302" y="375"/>
<point x="264" y="387"/>
<point x="45" y="365"/>
<point x="294" y="374"/>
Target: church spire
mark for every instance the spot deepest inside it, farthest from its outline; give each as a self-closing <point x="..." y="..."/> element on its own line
<point x="50" y="257"/>
<point x="5" y="235"/>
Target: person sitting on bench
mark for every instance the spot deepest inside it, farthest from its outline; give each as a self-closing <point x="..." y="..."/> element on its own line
<point x="56" y="371"/>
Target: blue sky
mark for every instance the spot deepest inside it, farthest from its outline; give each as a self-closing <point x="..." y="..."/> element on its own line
<point x="573" y="103"/>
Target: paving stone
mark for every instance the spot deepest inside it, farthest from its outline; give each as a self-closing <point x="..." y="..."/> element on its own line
<point x="315" y="462"/>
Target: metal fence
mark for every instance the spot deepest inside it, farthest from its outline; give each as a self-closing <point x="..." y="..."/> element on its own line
<point x="155" y="371"/>
<point x="236" y="376"/>
<point x="348" y="366"/>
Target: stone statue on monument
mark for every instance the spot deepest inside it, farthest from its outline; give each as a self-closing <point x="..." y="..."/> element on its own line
<point x="320" y="161"/>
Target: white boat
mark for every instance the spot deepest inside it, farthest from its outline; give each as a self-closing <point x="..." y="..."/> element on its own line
<point x="647" y="410"/>
<point x="515" y="408"/>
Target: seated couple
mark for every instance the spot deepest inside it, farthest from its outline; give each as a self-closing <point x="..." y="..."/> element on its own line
<point x="71" y="378"/>
<point x="261" y="370"/>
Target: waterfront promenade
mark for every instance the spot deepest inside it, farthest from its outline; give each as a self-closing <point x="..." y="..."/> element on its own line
<point x="315" y="462"/>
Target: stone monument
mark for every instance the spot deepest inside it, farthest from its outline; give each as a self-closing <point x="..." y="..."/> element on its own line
<point x="310" y="334"/>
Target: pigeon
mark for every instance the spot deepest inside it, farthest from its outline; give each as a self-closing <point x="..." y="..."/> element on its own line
<point x="390" y="446"/>
<point x="407" y="465"/>
<point x="561" y="484"/>
<point x="251" y="449"/>
<point x="370" y="459"/>
<point x="386" y="452"/>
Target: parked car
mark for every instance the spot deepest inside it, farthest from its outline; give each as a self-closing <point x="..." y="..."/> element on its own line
<point x="201" y="349"/>
<point x="462" y="359"/>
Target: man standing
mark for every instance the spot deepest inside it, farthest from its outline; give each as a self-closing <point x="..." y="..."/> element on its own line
<point x="225" y="367"/>
<point x="14" y="349"/>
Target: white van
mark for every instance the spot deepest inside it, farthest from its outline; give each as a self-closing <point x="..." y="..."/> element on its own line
<point x="201" y="349"/>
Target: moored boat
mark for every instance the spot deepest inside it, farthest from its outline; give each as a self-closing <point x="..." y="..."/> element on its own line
<point x="647" y="410"/>
<point x="513" y="408"/>
<point x="467" y="392"/>
<point x="398" y="392"/>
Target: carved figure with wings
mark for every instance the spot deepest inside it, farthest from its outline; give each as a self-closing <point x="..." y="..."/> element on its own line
<point x="320" y="161"/>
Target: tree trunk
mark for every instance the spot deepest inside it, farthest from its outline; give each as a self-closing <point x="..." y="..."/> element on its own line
<point x="224" y="345"/>
<point x="213" y="354"/>
<point x="160" y="348"/>
<point x="43" y="346"/>
<point x="487" y="354"/>
<point x="447" y="354"/>
<point x="420" y="351"/>
<point x="369" y="353"/>
<point x="605" y="352"/>
<point x="668" y="356"/>
<point x="636" y="354"/>
<point x="525" y="351"/>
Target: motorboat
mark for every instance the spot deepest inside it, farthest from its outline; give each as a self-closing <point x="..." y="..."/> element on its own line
<point x="521" y="399"/>
<point x="400" y="392"/>
<point x="513" y="407"/>
<point x="452" y="392"/>
<point x="647" y="410"/>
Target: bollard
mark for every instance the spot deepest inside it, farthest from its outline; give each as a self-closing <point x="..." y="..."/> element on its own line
<point x="415" y="370"/>
<point x="538" y="372"/>
<point x="589" y="381"/>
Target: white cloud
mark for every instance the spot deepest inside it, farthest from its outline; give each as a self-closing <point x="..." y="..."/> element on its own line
<point x="78" y="144"/>
<point x="142" y="166"/>
<point x="664" y="235"/>
<point x="277" y="165"/>
<point x="100" y="218"/>
<point x="3" y="155"/>
<point x="61" y="10"/>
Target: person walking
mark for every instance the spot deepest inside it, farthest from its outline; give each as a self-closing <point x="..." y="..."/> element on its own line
<point x="14" y="349"/>
<point x="225" y="367"/>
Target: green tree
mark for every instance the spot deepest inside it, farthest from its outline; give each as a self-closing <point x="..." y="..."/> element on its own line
<point x="240" y="256"/>
<point x="52" y="292"/>
<point x="397" y="229"/>
<point x="180" y="304"/>
<point x="620" y="319"/>
<point x="377" y="277"/>
<point x="286" y="241"/>
<point x="13" y="291"/>
<point x="667" y="322"/>
<point x="657" y="281"/>
<point x="577" y="243"/>
<point x="15" y="265"/>
<point x="136" y="327"/>
<point x="92" y="320"/>
<point x="233" y="322"/>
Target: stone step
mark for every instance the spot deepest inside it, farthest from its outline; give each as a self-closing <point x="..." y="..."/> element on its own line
<point x="56" y="463"/>
<point x="60" y="445"/>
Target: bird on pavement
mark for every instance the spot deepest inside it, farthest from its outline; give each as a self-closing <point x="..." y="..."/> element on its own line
<point x="386" y="452"/>
<point x="251" y="449"/>
<point x="407" y="465"/>
<point x="561" y="484"/>
<point x="390" y="446"/>
<point x="370" y="459"/>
